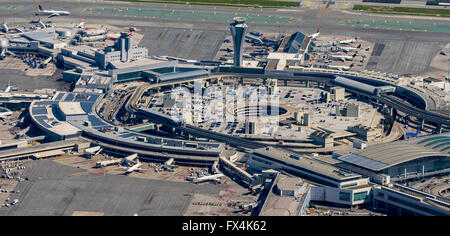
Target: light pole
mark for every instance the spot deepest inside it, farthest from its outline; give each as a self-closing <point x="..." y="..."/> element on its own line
<point x="448" y="69"/>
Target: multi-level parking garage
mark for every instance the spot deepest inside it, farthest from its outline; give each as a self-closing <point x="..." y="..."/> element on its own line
<point x="416" y="107"/>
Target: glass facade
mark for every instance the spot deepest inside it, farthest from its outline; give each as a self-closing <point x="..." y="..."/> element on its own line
<point x="129" y="76"/>
<point x="344" y="196"/>
<point x="359" y="196"/>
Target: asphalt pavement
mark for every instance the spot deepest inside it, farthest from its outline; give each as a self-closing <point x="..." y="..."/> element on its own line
<point x="55" y="189"/>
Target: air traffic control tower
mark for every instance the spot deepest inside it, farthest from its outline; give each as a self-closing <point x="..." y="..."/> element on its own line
<point x="238" y="29"/>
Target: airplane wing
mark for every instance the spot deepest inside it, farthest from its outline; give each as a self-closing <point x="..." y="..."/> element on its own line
<point x="53" y="15"/>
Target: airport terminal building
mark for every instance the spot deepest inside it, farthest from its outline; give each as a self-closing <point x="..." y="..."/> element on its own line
<point x="333" y="184"/>
<point x="402" y="160"/>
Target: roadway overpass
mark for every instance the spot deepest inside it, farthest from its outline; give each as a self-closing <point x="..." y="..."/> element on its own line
<point x="320" y="77"/>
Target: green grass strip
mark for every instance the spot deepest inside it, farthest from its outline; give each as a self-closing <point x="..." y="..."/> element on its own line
<point x="403" y="10"/>
<point x="236" y="3"/>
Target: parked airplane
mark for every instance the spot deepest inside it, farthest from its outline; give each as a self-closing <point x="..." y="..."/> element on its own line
<point x="134" y="168"/>
<point x="131" y="158"/>
<point x="113" y="36"/>
<point x="257" y="34"/>
<point x="340" y="67"/>
<point x="254" y="39"/>
<point x="81" y="25"/>
<point x="134" y="161"/>
<point x="5" y="116"/>
<point x="41" y="24"/>
<point x="208" y="178"/>
<point x="349" y="41"/>
<point x="5" y="28"/>
<point x="90" y="152"/>
<point x="350" y="49"/>
<point x="316" y="34"/>
<point x="18" y="30"/>
<point x="131" y="30"/>
<point x="246" y="55"/>
<point x="342" y="57"/>
<point x="7" y="88"/>
<point x="169" y="165"/>
<point x="51" y="13"/>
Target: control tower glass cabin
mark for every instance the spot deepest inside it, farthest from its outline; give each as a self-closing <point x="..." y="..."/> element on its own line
<point x="238" y="29"/>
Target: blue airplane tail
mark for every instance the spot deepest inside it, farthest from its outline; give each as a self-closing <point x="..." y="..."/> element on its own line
<point x="40" y="7"/>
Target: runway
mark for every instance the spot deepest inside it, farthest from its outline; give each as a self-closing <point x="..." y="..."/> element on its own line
<point x="210" y="17"/>
<point x="196" y="32"/>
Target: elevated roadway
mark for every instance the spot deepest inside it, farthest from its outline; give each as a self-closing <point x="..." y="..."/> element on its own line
<point x="319" y="76"/>
<point x="414" y="111"/>
<point x="231" y="140"/>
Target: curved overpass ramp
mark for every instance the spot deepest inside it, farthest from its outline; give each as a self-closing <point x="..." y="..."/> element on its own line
<point x="415" y="97"/>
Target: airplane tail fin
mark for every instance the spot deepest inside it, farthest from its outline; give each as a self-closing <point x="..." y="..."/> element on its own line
<point x="40" y="7"/>
<point x="317" y="30"/>
<point x="359" y="46"/>
<point x="351" y="65"/>
<point x="354" y="55"/>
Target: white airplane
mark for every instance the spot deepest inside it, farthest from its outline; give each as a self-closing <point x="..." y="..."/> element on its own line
<point x="345" y="68"/>
<point x="5" y="28"/>
<point x="42" y="25"/>
<point x="169" y="164"/>
<point x="134" y="168"/>
<point x="131" y="158"/>
<point x="81" y="25"/>
<point x="349" y="41"/>
<point x="113" y="36"/>
<point x="7" y="88"/>
<point x="90" y="152"/>
<point x="51" y="13"/>
<point x="342" y="57"/>
<point x="5" y="117"/>
<point x="316" y="34"/>
<point x="253" y="39"/>
<point x="350" y="49"/>
<point x="18" y="30"/>
<point x="208" y="178"/>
